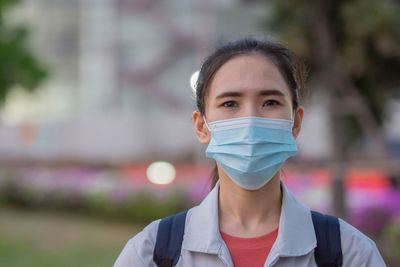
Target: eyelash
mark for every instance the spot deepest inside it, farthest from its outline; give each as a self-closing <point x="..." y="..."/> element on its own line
<point x="231" y="104"/>
<point x="274" y="101"/>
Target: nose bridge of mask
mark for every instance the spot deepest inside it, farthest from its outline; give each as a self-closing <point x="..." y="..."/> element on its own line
<point x="242" y="122"/>
<point x="247" y="137"/>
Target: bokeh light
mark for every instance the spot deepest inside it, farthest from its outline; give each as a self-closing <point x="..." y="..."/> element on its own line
<point x="193" y="81"/>
<point x="161" y="172"/>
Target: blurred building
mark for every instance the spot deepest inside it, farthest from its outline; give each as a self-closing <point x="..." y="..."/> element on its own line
<point x="119" y="87"/>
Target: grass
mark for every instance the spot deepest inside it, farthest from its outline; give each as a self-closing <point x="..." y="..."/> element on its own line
<point x="44" y="238"/>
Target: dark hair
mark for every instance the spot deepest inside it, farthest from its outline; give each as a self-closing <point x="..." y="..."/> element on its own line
<point x="290" y="67"/>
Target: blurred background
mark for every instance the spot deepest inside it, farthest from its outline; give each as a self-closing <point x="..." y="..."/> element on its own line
<point x="95" y="117"/>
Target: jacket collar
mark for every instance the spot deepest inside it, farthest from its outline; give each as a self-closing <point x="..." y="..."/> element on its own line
<point x="296" y="234"/>
<point x="202" y="227"/>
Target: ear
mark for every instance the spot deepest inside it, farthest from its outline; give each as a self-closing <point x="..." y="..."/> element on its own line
<point x="200" y="129"/>
<point x="298" y="119"/>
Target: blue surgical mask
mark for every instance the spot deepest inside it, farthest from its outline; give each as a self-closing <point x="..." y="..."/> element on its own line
<point x="251" y="149"/>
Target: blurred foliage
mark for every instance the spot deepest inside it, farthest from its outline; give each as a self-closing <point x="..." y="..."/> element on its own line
<point x="363" y="37"/>
<point x="18" y="65"/>
<point x="143" y="206"/>
<point x="381" y="224"/>
<point x="391" y="243"/>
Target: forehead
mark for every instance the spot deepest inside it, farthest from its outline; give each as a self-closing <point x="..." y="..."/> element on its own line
<point x="248" y="73"/>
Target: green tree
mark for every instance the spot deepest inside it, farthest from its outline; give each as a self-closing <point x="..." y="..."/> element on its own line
<point x="353" y="51"/>
<point x="18" y="65"/>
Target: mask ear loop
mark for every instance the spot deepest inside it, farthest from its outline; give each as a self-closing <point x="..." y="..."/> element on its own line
<point x="292" y="122"/>
<point x="292" y="119"/>
<point x="205" y="121"/>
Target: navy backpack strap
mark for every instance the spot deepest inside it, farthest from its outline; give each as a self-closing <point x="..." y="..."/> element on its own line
<point x="167" y="249"/>
<point x="328" y="252"/>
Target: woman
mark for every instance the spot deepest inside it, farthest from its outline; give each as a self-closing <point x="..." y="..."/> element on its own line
<point x="249" y="115"/>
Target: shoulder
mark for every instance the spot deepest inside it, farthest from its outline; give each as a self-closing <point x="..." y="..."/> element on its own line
<point x="139" y="249"/>
<point x="357" y="248"/>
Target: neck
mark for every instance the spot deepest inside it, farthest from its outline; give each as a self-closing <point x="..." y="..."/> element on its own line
<point x="249" y="213"/>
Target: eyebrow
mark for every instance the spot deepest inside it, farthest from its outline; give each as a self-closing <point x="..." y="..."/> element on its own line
<point x="262" y="93"/>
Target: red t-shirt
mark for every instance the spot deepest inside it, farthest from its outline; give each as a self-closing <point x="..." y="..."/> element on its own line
<point x="249" y="251"/>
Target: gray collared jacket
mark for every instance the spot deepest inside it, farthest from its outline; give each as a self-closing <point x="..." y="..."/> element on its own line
<point x="203" y="246"/>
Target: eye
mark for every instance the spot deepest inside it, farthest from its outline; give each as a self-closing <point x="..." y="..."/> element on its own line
<point x="271" y="102"/>
<point x="229" y="104"/>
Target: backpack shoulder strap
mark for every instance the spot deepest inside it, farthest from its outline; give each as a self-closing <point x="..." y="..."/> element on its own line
<point x="328" y="252"/>
<point x="168" y="245"/>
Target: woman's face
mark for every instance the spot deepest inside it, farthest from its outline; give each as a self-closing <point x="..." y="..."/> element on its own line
<point x="247" y="85"/>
